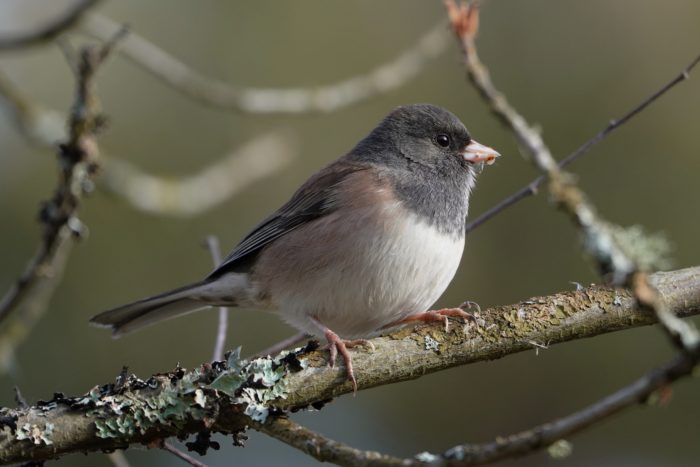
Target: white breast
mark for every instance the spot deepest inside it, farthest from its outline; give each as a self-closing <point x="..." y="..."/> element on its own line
<point x="358" y="279"/>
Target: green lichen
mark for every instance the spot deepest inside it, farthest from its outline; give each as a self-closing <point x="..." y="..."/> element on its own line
<point x="175" y="399"/>
<point x="264" y="382"/>
<point x="535" y="315"/>
<point x="136" y="412"/>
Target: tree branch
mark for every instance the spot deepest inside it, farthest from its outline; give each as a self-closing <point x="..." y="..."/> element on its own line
<point x="78" y="163"/>
<point x="542" y="436"/>
<point x="154" y="193"/>
<point x="225" y="397"/>
<point x="329" y="98"/>
<point x="49" y="31"/>
<point x="622" y="255"/>
<point x="531" y="188"/>
<point x="215" y="183"/>
<point x="212" y="243"/>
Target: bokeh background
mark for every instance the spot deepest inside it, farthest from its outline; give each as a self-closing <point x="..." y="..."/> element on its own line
<point x="570" y="66"/>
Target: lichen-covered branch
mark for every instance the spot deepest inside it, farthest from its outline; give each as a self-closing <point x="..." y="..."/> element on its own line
<point x="543" y="436"/>
<point x="622" y="255"/>
<point x="78" y="163"/>
<point x="226" y="396"/>
<point x="532" y="187"/>
<point x="329" y="98"/>
<point x="50" y="30"/>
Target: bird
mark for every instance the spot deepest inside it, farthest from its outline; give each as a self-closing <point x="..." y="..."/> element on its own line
<point x="368" y="243"/>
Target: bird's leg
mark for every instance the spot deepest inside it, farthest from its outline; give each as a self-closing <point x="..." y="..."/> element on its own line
<point x="437" y="315"/>
<point x="337" y="345"/>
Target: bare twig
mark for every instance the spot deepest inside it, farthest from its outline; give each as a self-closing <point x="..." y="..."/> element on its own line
<point x="211" y="186"/>
<point x="212" y="242"/>
<point x="78" y="159"/>
<point x="519" y="444"/>
<point x="325" y="449"/>
<point x="183" y="402"/>
<point x="600" y="239"/>
<point x="183" y="197"/>
<point x="49" y="31"/>
<point x="118" y="459"/>
<point x="684" y="335"/>
<point x="39" y="125"/>
<point x="329" y="98"/>
<point x="531" y="188"/>
<point x="280" y="346"/>
<point x="465" y="20"/>
<point x="542" y="436"/>
<point x="183" y="455"/>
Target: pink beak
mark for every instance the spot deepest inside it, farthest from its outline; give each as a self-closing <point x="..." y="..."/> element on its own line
<point x="477" y="152"/>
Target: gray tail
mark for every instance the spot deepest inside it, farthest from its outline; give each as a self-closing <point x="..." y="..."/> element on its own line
<point x="134" y="316"/>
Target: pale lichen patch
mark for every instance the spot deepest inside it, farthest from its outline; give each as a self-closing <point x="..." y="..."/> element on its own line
<point x="35" y="433"/>
<point x="431" y="344"/>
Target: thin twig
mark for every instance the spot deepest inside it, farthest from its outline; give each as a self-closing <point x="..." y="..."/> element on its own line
<point x="600" y="239"/>
<point x="212" y="242"/>
<point x="383" y="79"/>
<point x="519" y="444"/>
<point x="118" y="459"/>
<point x="531" y="188"/>
<point x="186" y="403"/>
<point x="78" y="163"/>
<point x="41" y="126"/>
<point x="186" y="196"/>
<point x="325" y="449"/>
<point x="215" y="183"/>
<point x="684" y="335"/>
<point x="50" y="30"/>
<point x="280" y="346"/>
<point x="542" y="436"/>
<point x="182" y="455"/>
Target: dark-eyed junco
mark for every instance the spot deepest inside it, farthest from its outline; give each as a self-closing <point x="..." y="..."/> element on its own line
<point x="369" y="242"/>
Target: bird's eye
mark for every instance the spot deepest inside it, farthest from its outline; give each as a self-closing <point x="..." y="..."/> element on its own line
<point x="443" y="140"/>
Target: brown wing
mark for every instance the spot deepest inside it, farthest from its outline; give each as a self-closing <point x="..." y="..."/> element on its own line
<point x="316" y="198"/>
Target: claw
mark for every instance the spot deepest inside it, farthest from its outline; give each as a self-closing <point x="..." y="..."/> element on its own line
<point x="436" y="315"/>
<point x="337" y="345"/>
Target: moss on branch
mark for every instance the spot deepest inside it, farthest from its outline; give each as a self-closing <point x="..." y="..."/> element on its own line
<point x="226" y="396"/>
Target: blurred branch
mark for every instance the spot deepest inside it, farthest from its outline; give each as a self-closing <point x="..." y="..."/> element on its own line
<point x="531" y="188"/>
<point x="640" y="391"/>
<point x="183" y="456"/>
<point x="282" y="345"/>
<point x="118" y="459"/>
<point x="325" y="449"/>
<point x="605" y="243"/>
<point x="39" y="125"/>
<point x="200" y="192"/>
<point x="222" y="397"/>
<point x="50" y="30"/>
<point x="465" y="22"/>
<point x="186" y="196"/>
<point x="78" y="162"/>
<point x="323" y="99"/>
<point x="212" y="242"/>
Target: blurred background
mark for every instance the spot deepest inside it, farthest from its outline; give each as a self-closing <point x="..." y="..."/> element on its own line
<point x="568" y="66"/>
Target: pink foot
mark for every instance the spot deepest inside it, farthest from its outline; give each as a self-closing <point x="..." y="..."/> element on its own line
<point x="435" y="315"/>
<point x="337" y="345"/>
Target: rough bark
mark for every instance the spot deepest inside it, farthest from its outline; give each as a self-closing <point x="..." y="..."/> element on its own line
<point x="225" y="396"/>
